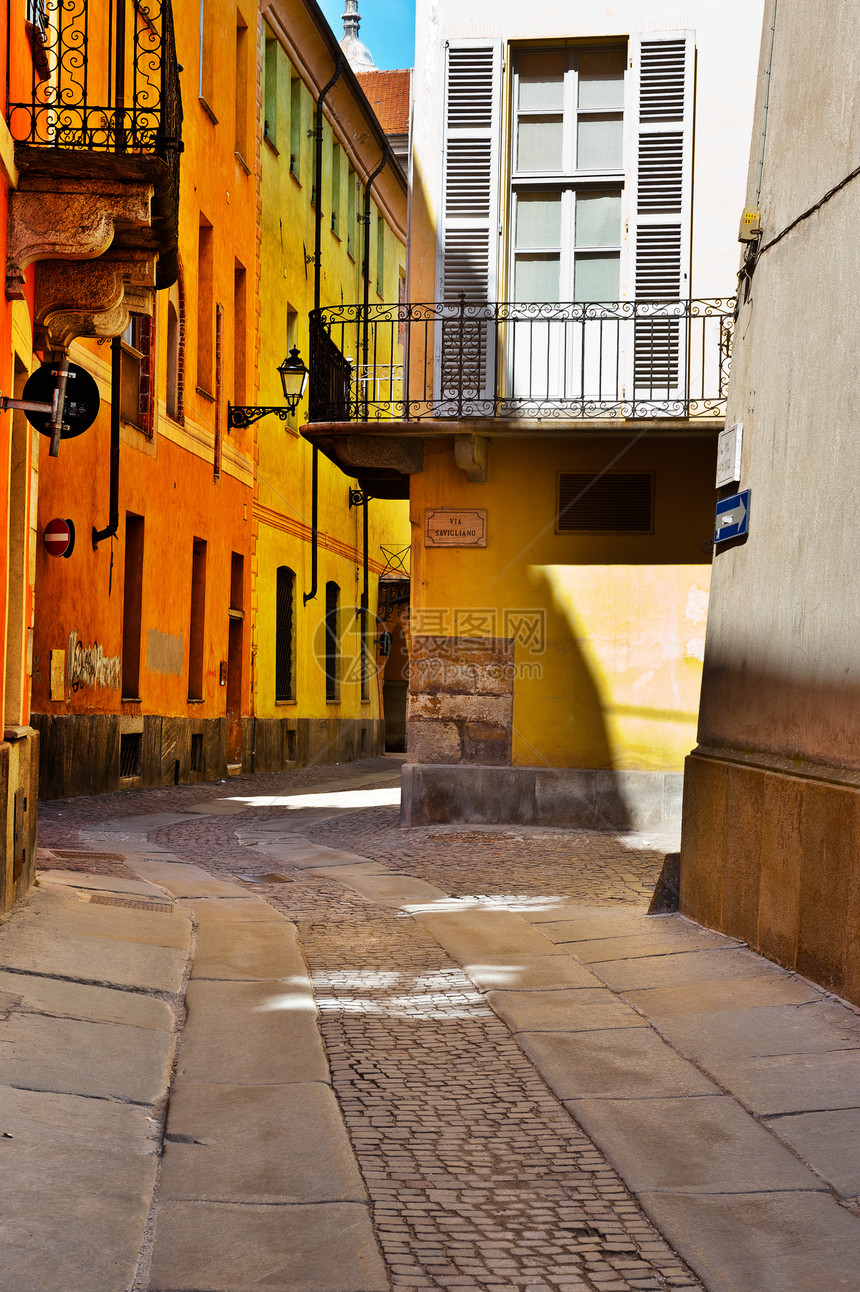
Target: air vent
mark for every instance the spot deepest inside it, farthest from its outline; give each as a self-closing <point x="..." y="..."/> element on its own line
<point x="618" y="502"/>
<point x="129" y="754"/>
<point x="661" y="90"/>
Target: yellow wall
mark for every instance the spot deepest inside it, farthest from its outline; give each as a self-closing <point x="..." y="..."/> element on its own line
<point x="282" y="510"/>
<point x="610" y="628"/>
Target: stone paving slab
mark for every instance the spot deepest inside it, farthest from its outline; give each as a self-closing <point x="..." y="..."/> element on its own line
<point x="256" y="1144"/>
<point x="671" y="969"/>
<point x="251" y="1033"/>
<point x="99" y="883"/>
<point x="771" y="1242"/>
<point x="182" y="880"/>
<point x="219" y="1247"/>
<point x="24" y="993"/>
<point x="383" y="886"/>
<point x="77" y="1178"/>
<point x="476" y="935"/>
<point x="582" y="1010"/>
<point x="44" y="939"/>
<point x="732" y="993"/>
<point x="74" y="1057"/>
<point x="303" y="855"/>
<point x="620" y="1063"/>
<point x="215" y="912"/>
<point x="531" y="973"/>
<point x="662" y="942"/>
<point x="694" y="1144"/>
<point x="829" y="1142"/>
<point x="256" y="949"/>
<point x="804" y="1028"/>
<point x="792" y="1083"/>
<point x="141" y="823"/>
<point x="579" y="923"/>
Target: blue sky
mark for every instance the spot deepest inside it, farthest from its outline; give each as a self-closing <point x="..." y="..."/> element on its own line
<point x="387" y="29"/>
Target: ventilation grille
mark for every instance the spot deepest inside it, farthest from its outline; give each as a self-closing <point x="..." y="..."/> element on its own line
<point x="285" y="582"/>
<point x="658" y="262"/>
<point x="197" y="752"/>
<point x="617" y="502"/>
<point x="468" y="178"/>
<point x="129" y="754"/>
<point x="661" y="89"/>
<point x="661" y="173"/>
<point x="470" y="89"/>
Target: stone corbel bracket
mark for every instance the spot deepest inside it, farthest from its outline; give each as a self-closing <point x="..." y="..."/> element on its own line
<point x="91" y="298"/>
<point x="471" y="453"/>
<point x="68" y="220"/>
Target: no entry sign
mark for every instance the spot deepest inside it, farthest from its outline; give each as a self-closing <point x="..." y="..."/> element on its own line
<point x="59" y="538"/>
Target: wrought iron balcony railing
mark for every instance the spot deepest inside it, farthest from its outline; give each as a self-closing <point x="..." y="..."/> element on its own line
<point x="621" y="359"/>
<point x="104" y="78"/>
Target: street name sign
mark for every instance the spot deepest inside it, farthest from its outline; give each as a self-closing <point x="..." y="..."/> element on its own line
<point x="729" y="445"/>
<point x="455" y="527"/>
<point x="733" y="517"/>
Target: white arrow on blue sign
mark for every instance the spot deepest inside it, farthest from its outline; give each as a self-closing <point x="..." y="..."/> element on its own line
<point x="733" y="517"/>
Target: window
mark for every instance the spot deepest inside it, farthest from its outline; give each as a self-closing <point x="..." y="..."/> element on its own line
<point x="135" y="395"/>
<point x="332" y="642"/>
<point x="335" y="187"/>
<point x="196" y="626"/>
<point x="567" y="174"/>
<point x="130" y="754"/>
<point x="296" y="127"/>
<point x="240" y="333"/>
<point x="380" y="252"/>
<point x="132" y="606"/>
<point x="242" y="80"/>
<point x="206" y="80"/>
<point x="205" y="311"/>
<point x="285" y="589"/>
<point x="270" y="92"/>
<point x="351" y="189"/>
<point x="616" y="502"/>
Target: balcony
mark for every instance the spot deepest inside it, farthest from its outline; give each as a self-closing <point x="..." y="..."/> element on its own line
<point x="386" y="377"/>
<point x="97" y="126"/>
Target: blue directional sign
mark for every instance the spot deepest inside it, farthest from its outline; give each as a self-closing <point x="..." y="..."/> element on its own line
<point x="733" y="517"/>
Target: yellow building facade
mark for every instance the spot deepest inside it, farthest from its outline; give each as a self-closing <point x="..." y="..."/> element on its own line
<point x="314" y="699"/>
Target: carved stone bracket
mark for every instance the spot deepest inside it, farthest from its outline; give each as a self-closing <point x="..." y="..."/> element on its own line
<point x="91" y="297"/>
<point x="68" y="219"/>
<point x="471" y="453"/>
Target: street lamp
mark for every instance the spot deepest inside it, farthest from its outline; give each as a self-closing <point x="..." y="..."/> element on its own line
<point x="294" y="379"/>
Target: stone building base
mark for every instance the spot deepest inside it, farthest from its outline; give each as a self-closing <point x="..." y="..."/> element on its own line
<point x="571" y="797"/>
<point x="772" y="856"/>
<point x="80" y="754"/>
<point x="19" y="786"/>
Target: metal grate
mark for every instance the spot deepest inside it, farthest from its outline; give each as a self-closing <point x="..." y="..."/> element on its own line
<point x="197" y="752"/>
<point x="129" y="753"/>
<point x="284" y="595"/>
<point x="131" y="903"/>
<point x="619" y="501"/>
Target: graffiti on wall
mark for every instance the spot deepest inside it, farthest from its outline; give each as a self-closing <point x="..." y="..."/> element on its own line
<point x="89" y="666"/>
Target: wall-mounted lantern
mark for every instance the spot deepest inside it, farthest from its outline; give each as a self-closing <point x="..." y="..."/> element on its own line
<point x="294" y="379"/>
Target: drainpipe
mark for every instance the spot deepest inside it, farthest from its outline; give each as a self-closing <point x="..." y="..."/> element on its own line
<point x="365" y="324"/>
<point x="115" y="382"/>
<point x="318" y="133"/>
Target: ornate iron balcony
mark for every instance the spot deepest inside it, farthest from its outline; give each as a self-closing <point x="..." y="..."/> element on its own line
<point x="104" y="78"/>
<point x="535" y="360"/>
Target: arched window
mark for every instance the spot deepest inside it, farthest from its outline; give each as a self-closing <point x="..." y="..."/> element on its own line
<point x="285" y="590"/>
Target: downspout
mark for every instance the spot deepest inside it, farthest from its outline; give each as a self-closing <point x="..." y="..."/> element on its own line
<point x="115" y="382"/>
<point x="318" y="133"/>
<point x="365" y="323"/>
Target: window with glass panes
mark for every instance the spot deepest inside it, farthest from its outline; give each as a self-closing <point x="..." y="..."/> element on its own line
<point x="567" y="174"/>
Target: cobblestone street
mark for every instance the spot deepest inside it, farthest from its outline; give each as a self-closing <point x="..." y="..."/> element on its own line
<point x="478" y="1176"/>
<point x="486" y="1000"/>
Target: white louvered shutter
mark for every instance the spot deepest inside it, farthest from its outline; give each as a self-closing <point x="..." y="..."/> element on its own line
<point x="467" y="255"/>
<point x="660" y="206"/>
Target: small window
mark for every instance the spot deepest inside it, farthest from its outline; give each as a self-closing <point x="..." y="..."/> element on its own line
<point x="284" y="602"/>
<point x="197" y="752"/>
<point x="296" y="126"/>
<point x="332" y="642"/>
<point x="335" y="189"/>
<point x="270" y="89"/>
<point x="380" y="253"/>
<point x="135" y="381"/>
<point x="617" y="502"/>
